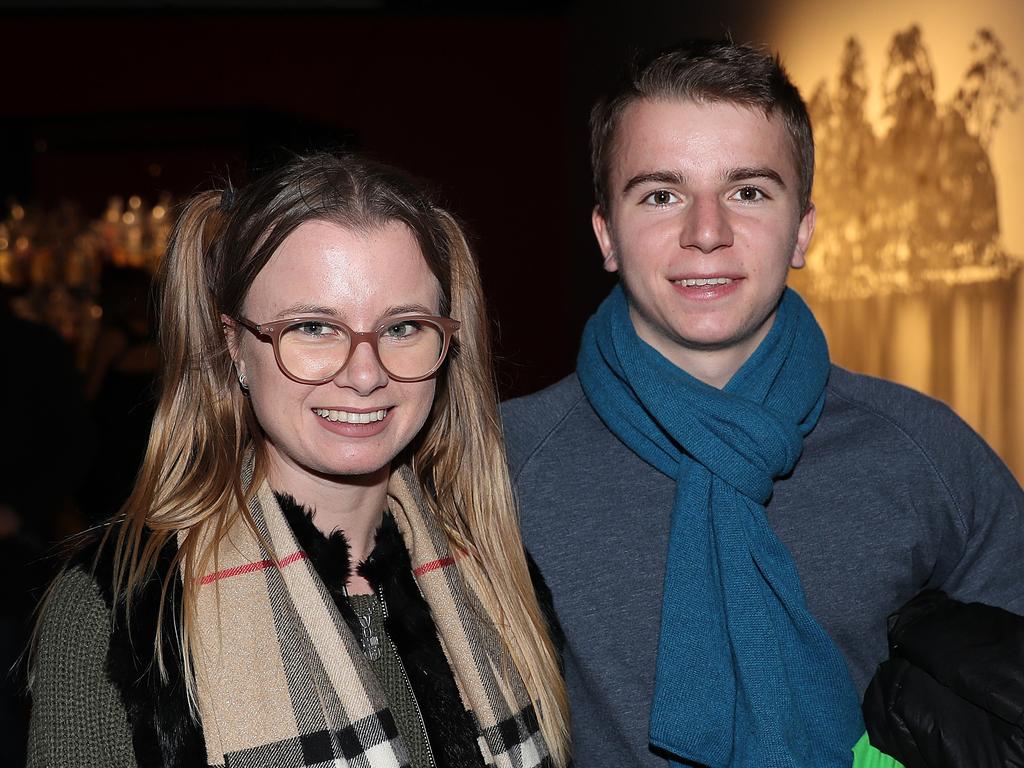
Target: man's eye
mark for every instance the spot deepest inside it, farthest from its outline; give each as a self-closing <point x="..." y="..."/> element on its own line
<point x="661" y="197"/>
<point x="749" y="194"/>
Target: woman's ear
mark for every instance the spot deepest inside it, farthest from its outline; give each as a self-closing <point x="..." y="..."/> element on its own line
<point x="230" y="328"/>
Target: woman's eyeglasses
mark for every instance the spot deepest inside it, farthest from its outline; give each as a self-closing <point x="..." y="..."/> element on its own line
<point x="313" y="350"/>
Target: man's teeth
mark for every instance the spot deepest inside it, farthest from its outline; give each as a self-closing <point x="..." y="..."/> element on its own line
<point x="349" y="417"/>
<point x="693" y="282"/>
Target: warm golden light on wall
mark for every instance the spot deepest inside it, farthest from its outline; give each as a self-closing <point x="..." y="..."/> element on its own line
<point x="916" y="204"/>
<point x="915" y="270"/>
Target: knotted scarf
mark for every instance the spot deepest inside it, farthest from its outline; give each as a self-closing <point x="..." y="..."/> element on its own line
<point x="745" y="676"/>
<point x="282" y="681"/>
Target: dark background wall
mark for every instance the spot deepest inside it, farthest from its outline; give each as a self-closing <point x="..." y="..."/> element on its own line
<point x="490" y="106"/>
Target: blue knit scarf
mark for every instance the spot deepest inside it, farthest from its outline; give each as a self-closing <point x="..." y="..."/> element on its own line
<point x="745" y="675"/>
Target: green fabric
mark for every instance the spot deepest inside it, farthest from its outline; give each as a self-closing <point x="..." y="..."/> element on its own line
<point x="77" y="714"/>
<point x="391" y="674"/>
<point x="866" y="756"/>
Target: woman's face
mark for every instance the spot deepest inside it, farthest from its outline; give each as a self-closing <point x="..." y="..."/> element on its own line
<point x="361" y="279"/>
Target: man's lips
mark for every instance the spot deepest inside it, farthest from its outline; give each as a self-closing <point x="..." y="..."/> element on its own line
<point x="700" y="281"/>
<point x="706" y="287"/>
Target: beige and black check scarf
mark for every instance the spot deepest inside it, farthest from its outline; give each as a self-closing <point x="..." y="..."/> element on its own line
<point x="282" y="681"/>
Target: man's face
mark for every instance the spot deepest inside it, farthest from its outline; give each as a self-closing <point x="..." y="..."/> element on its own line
<point x="704" y="222"/>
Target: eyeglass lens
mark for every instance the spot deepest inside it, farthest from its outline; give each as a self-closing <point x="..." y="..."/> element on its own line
<point x="314" y="350"/>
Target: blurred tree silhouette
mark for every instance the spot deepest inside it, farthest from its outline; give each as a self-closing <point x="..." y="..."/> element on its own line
<point x="917" y="204"/>
<point x="991" y="85"/>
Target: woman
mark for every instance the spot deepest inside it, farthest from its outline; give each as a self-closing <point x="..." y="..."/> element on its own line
<point x="320" y="559"/>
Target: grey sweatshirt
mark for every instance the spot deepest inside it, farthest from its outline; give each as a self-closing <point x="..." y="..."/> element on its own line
<point x="893" y="494"/>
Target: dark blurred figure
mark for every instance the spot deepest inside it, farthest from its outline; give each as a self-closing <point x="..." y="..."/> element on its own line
<point x="45" y="452"/>
<point x="120" y="381"/>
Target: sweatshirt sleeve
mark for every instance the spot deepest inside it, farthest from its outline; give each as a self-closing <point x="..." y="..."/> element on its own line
<point x="77" y="715"/>
<point x="946" y="484"/>
<point x="990" y="504"/>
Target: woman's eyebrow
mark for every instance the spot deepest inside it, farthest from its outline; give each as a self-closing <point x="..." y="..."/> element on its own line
<point x="408" y="309"/>
<point x="300" y="308"/>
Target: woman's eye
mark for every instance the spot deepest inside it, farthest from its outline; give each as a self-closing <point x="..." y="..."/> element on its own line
<point x="315" y="329"/>
<point x="401" y="330"/>
<point x="749" y="194"/>
<point x="661" y="197"/>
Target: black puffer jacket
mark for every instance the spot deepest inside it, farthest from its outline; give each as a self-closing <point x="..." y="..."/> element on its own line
<point x="952" y="693"/>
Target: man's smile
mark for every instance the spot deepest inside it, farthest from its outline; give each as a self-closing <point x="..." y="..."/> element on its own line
<point x="691" y="282"/>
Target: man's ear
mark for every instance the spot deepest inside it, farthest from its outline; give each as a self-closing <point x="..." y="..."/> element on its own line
<point x="603" y="233"/>
<point x="803" y="237"/>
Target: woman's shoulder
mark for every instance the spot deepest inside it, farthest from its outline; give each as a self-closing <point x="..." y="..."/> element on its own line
<point x="75" y="603"/>
<point x="77" y="713"/>
<point x="75" y="614"/>
<point x="73" y="634"/>
<point x="80" y="621"/>
<point x="95" y="555"/>
<point x="93" y="665"/>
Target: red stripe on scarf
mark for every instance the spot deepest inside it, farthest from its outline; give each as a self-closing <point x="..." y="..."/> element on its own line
<point x="238" y="570"/>
<point x="433" y="565"/>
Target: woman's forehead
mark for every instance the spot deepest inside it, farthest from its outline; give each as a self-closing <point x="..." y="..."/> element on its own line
<point x="358" y="273"/>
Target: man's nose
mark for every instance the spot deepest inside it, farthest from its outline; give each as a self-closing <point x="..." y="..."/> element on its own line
<point x="706" y="225"/>
<point x="363" y="373"/>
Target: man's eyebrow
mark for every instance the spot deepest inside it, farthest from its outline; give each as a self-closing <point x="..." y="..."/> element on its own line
<point x="654" y="177"/>
<point x="746" y="174"/>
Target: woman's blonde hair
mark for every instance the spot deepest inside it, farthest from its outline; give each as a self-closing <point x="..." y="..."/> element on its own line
<point x="204" y="427"/>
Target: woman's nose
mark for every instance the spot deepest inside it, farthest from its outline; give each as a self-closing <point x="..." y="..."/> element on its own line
<point x="363" y="373"/>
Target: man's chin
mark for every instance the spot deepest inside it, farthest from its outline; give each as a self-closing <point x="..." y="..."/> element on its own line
<point x="723" y="340"/>
<point x="729" y="337"/>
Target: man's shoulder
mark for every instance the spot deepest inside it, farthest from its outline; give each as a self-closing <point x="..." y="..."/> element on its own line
<point x="887" y="423"/>
<point x="892" y="407"/>
<point x="558" y="398"/>
<point x="529" y="420"/>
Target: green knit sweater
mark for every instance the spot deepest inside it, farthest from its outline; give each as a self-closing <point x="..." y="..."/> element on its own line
<point x="390" y="672"/>
<point x="77" y="715"/>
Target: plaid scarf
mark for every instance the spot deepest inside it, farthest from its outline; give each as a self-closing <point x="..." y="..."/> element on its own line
<point x="282" y="681"/>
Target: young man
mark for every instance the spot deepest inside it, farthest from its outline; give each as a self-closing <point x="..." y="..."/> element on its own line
<point x="725" y="519"/>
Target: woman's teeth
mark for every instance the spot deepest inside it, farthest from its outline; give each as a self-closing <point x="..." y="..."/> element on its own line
<point x="349" y="417"/>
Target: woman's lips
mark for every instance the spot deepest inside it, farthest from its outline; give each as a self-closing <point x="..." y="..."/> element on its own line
<point x="352" y="422"/>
